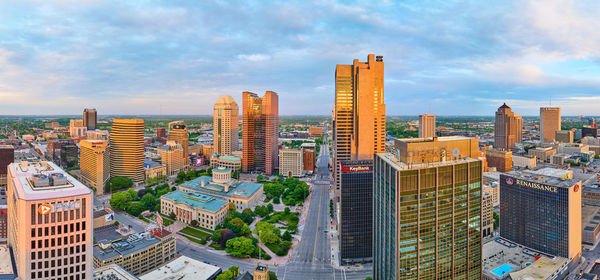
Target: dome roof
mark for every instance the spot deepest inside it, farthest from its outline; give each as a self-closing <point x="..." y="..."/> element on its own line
<point x="225" y="99"/>
<point x="504" y="106"/>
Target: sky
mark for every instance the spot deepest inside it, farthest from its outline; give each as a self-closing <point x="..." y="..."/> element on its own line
<point x="177" y="57"/>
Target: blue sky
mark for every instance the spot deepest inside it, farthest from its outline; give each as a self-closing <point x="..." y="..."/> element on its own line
<point x="178" y="57"/>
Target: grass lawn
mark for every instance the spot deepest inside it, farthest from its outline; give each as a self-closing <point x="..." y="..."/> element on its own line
<point x="216" y="246"/>
<point x="144" y="219"/>
<point x="194" y="239"/>
<point x="194" y="232"/>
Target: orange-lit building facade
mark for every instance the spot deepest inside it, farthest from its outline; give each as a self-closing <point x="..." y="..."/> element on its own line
<point x="508" y="129"/>
<point x="178" y="133"/>
<point x="359" y="111"/>
<point x="127" y="149"/>
<point x="50" y="222"/>
<point x="260" y="126"/>
<point x="426" y="126"/>
<point x="550" y="123"/>
<point x="226" y="118"/>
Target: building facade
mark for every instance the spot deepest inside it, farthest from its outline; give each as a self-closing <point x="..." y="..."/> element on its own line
<point x="77" y="129"/>
<point x="94" y="164"/>
<point x="356" y="211"/>
<point x="524" y="161"/>
<point x="153" y="169"/>
<point x="501" y="160"/>
<point x="172" y="156"/>
<point x="226" y="125"/>
<point x="487" y="214"/>
<point x="231" y="162"/>
<point x="565" y="136"/>
<point x="260" y="132"/>
<point x="178" y="133"/>
<point x="207" y="210"/>
<point x="90" y="119"/>
<point x="542" y="213"/>
<point x="49" y="222"/>
<point x="290" y="162"/>
<point x="427" y="216"/>
<point x="426" y="126"/>
<point x="7" y="156"/>
<point x="127" y="149"/>
<point x="359" y="91"/>
<point x="542" y="154"/>
<point x="550" y="123"/>
<point x="508" y="129"/>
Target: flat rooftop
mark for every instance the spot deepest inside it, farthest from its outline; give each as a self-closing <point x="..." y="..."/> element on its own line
<point x="124" y="247"/>
<point x="236" y="189"/>
<point x="197" y="200"/>
<point x="399" y="165"/>
<point x="430" y="139"/>
<point x="543" y="179"/>
<point x="553" y="172"/>
<point x="183" y="268"/>
<point x="112" y="272"/>
<point x="23" y="176"/>
<point x="6" y="267"/>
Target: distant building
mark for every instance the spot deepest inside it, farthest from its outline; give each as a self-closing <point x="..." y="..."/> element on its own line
<point x="3" y="222"/>
<point x="524" y="161"/>
<point x="139" y="253"/>
<point x="208" y="151"/>
<point x="173" y="157"/>
<point x="542" y="213"/>
<point x="508" y="129"/>
<point x="550" y="123"/>
<point x="590" y="224"/>
<point x="259" y="132"/>
<point x="589" y="131"/>
<point x="356" y="211"/>
<point x="308" y="160"/>
<point x="542" y="154"/>
<point x="161" y="132"/>
<point x="94" y="164"/>
<point x="178" y="133"/>
<point x="552" y="172"/>
<point x="487" y="214"/>
<point x="97" y="134"/>
<point x="45" y="203"/>
<point x="226" y="125"/>
<point x="127" y="149"/>
<point x="7" y="156"/>
<point x="90" y="118"/>
<point x="559" y="159"/>
<point x="207" y="210"/>
<point x="242" y="194"/>
<point x="76" y="128"/>
<point x="103" y="217"/>
<point x="501" y="160"/>
<point x="64" y="152"/>
<point x="315" y="131"/>
<point x="290" y="162"/>
<point x="153" y="169"/>
<point x="418" y="196"/>
<point x="565" y="136"/>
<point x="184" y="268"/>
<point x="426" y="126"/>
<point x="113" y="272"/>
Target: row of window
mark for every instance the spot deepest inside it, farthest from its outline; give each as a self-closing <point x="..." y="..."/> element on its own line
<point x="45" y="265"/>
<point x="53" y="230"/>
<point x="58" y="252"/>
<point x="43" y="244"/>
<point x="59" y="272"/>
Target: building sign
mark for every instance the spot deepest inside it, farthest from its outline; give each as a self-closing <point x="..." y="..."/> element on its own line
<point x="46" y="208"/>
<point x="533" y="185"/>
<point x="109" y="217"/>
<point x="358" y="168"/>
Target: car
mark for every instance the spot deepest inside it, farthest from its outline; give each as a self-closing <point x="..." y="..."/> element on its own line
<point x="206" y="262"/>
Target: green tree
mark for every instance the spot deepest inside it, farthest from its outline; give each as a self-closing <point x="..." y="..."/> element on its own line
<point x="272" y="275"/>
<point x="149" y="201"/>
<point x="369" y="278"/>
<point x="135" y="208"/>
<point x="216" y="236"/>
<point x="261" y="178"/>
<point x="240" y="247"/>
<point x="270" y="207"/>
<point x="287" y="236"/>
<point x="268" y="237"/>
<point x="118" y="183"/>
<point x="131" y="194"/>
<point x="235" y="225"/>
<point x="496" y="220"/>
<point x="119" y="200"/>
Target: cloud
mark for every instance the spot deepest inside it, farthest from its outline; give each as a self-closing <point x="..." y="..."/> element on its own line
<point x="253" y="57"/>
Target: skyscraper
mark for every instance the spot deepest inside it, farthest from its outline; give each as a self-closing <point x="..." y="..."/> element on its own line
<point x="426" y="126"/>
<point x="550" y="123"/>
<point x="359" y="112"/>
<point x="90" y="119"/>
<point x="508" y="129"/>
<point x="260" y="132"/>
<point x="427" y="210"/>
<point x="172" y="157"/>
<point x="178" y="133"/>
<point x="127" y="149"/>
<point x="226" y="125"/>
<point x="7" y="156"/>
<point x="94" y="164"/>
<point x="49" y="222"/>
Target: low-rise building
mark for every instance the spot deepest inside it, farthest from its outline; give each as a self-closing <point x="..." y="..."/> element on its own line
<point x="139" y="253"/>
<point x="208" y="210"/>
<point x="501" y="160"/>
<point x="97" y="134"/>
<point x="184" y="268"/>
<point x="590" y="224"/>
<point x="242" y="194"/>
<point x="153" y="169"/>
<point x="524" y="161"/>
<point x="559" y="159"/>
<point x="565" y="136"/>
<point x="542" y="154"/>
<point x="103" y="217"/>
<point x="315" y="131"/>
<point x="227" y="161"/>
<point x="290" y="162"/>
<point x="7" y="270"/>
<point x="493" y="189"/>
<point x="113" y="272"/>
<point x="573" y="148"/>
<point x="591" y="196"/>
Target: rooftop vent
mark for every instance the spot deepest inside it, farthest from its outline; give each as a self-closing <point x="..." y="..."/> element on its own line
<point x="379" y="58"/>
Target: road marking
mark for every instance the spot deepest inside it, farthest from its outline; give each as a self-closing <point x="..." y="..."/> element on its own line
<point x="317" y="228"/>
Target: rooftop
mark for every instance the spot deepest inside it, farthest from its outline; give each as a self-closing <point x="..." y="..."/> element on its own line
<point x="183" y="268"/>
<point x="6" y="267"/>
<point x="197" y="200"/>
<point x="43" y="180"/>
<point x="552" y="172"/>
<point x="433" y="139"/>
<point x="399" y="165"/>
<point x="590" y="218"/>
<point x="112" y="272"/>
<point x="229" y="158"/>
<point x="543" y="179"/>
<point x="221" y="170"/>
<point x="236" y="189"/>
<point x="124" y="247"/>
<point x="148" y="163"/>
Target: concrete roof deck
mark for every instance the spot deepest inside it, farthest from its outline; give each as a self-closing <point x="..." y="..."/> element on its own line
<point x="196" y="200"/>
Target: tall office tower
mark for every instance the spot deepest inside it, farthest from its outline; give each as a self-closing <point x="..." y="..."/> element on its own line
<point x="426" y="126"/>
<point x="90" y="118"/>
<point x="94" y="164"/>
<point x="427" y="210"/>
<point x="542" y="213"/>
<point x="226" y="125"/>
<point x="359" y="112"/>
<point x="260" y="128"/>
<point x="126" y="143"/>
<point x="49" y="222"/>
<point x="356" y="211"/>
<point x="549" y="123"/>
<point x="77" y="129"/>
<point x="172" y="157"/>
<point x="7" y="156"/>
<point x="178" y="133"/>
<point x="508" y="129"/>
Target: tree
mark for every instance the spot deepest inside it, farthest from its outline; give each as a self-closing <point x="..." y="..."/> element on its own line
<point x="369" y="278"/>
<point x="240" y="247"/>
<point x="235" y="225"/>
<point x="226" y="235"/>
<point x="229" y="274"/>
<point x="276" y="200"/>
<point x="216" y="236"/>
<point x="261" y="210"/>
<point x="268" y="237"/>
<point x="270" y="207"/>
<point x="273" y="276"/>
<point x="131" y="194"/>
<point x="194" y="223"/>
<point x="135" y="208"/>
<point x="496" y="220"/>
<point x="149" y="201"/>
<point x="118" y="183"/>
<point x="286" y="210"/>
<point x="287" y="236"/>
<point x="119" y="200"/>
<point x="261" y="178"/>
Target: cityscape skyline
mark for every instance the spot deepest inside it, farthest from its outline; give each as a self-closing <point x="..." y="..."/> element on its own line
<point x="526" y="55"/>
